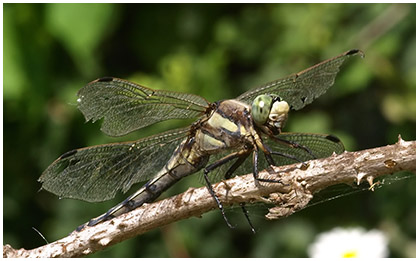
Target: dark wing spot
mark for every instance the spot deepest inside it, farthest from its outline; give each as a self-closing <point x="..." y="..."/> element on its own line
<point x="105" y="79"/>
<point x="303" y="99"/>
<point x="333" y="138"/>
<point x="68" y="154"/>
<point x="353" y="51"/>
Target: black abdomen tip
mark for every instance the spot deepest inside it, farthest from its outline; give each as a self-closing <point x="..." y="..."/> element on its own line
<point x="353" y="51"/>
<point x="333" y="138"/>
<point x="105" y="79"/>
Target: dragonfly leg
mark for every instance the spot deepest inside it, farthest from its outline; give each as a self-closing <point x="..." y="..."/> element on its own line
<point x="228" y="174"/>
<point x="241" y="155"/>
<point x="226" y="159"/>
<point x="256" y="169"/>
<point x="246" y="214"/>
<point x="236" y="164"/>
<point x="268" y="156"/>
<point x="293" y="144"/>
<point x="287" y="156"/>
<point x="268" y="152"/>
<point x="220" y="206"/>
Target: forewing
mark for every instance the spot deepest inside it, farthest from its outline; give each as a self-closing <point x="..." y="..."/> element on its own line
<point x="97" y="173"/>
<point x="126" y="106"/>
<point x="321" y="145"/>
<point x="302" y="88"/>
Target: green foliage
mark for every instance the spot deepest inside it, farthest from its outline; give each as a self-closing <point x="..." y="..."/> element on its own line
<point x="80" y="29"/>
<point x="217" y="51"/>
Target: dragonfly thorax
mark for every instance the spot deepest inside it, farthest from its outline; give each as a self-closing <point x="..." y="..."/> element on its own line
<point x="270" y="111"/>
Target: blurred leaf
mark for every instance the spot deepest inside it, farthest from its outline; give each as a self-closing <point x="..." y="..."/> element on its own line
<point x="80" y="28"/>
<point x="355" y="78"/>
<point x="226" y="31"/>
<point x="397" y="108"/>
<point x="14" y="74"/>
<point x="311" y="122"/>
<point x="177" y="70"/>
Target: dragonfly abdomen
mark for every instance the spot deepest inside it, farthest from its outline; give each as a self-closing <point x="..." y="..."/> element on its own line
<point x="185" y="160"/>
<point x="148" y="193"/>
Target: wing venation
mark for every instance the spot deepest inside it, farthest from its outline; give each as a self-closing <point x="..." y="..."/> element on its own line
<point x="126" y="106"/>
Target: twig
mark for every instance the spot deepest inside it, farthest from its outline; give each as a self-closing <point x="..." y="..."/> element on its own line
<point x="299" y="184"/>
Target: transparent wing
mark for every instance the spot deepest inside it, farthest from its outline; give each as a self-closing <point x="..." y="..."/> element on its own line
<point x="302" y="88"/>
<point x="97" y="173"/>
<point x="321" y="145"/>
<point x="126" y="106"/>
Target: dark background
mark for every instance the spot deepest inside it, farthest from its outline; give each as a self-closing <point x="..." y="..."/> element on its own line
<point x="217" y="51"/>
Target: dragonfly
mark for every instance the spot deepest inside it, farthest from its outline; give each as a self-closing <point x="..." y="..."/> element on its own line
<point x="228" y="136"/>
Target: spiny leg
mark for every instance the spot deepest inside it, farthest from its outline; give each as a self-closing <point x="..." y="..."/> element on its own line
<point x="241" y="154"/>
<point x="256" y="169"/>
<point x="220" y="206"/>
<point x="228" y="174"/>
<point x="255" y="165"/>
<point x="236" y="164"/>
<point x="268" y="155"/>
<point x="246" y="214"/>
<point x="285" y="155"/>
<point x="293" y="144"/>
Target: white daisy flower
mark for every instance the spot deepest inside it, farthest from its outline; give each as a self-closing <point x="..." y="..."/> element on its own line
<point x="353" y="242"/>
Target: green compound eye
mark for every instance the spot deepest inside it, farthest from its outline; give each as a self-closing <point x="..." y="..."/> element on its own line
<point x="261" y="107"/>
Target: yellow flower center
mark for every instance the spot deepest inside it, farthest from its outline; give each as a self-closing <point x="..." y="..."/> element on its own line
<point x="350" y="254"/>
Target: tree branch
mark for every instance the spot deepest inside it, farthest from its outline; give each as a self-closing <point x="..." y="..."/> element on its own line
<point x="296" y="190"/>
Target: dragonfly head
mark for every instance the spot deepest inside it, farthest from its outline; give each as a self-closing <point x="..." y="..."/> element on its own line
<point x="269" y="111"/>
